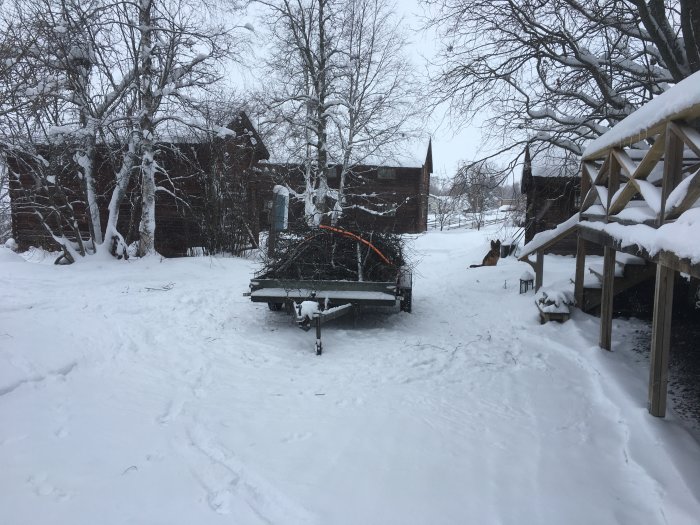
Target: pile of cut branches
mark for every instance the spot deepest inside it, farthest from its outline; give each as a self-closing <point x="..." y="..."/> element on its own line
<point x="332" y="253"/>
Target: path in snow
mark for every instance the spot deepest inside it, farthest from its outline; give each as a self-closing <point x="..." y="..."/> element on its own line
<point x="125" y="401"/>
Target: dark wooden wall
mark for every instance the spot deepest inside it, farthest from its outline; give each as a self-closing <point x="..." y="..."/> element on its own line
<point x="405" y="191"/>
<point x="188" y="171"/>
<point x="551" y="201"/>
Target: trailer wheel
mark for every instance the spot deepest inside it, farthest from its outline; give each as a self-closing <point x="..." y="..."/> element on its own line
<point x="406" y="300"/>
<point x="275" y="307"/>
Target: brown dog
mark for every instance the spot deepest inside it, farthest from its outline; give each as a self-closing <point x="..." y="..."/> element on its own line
<point x="492" y="257"/>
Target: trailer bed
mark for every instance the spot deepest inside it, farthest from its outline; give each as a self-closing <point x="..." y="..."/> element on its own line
<point x="361" y="293"/>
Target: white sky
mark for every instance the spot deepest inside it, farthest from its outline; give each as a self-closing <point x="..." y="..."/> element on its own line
<point x="451" y="142"/>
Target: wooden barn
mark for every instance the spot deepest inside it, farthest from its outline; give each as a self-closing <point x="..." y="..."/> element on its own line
<point x="553" y="195"/>
<point x="209" y="194"/>
<point x="388" y="197"/>
<point x="641" y="206"/>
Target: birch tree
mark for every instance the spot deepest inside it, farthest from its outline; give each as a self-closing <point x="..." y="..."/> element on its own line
<point x="476" y="184"/>
<point x="343" y="90"/>
<point x="108" y="74"/>
<point x="176" y="53"/>
<point x="377" y="92"/>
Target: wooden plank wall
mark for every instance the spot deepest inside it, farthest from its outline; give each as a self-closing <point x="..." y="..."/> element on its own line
<point x="186" y="169"/>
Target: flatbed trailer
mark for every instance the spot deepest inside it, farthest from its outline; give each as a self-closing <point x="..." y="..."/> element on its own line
<point x="332" y="298"/>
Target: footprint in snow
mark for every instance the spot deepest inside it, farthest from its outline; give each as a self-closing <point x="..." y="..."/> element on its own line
<point x="43" y="488"/>
<point x="296" y="436"/>
<point x="173" y="411"/>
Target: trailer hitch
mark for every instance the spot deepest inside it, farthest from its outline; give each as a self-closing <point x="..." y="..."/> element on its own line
<point x="310" y="313"/>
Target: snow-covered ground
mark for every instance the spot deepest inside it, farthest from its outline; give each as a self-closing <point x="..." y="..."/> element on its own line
<point x="153" y="392"/>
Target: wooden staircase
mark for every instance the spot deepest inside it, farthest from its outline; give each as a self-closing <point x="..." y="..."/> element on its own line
<point x="629" y="271"/>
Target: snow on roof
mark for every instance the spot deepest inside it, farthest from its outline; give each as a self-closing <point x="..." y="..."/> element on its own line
<point x="680" y="237"/>
<point x="552" y="170"/>
<point x="681" y="101"/>
<point x="408" y="154"/>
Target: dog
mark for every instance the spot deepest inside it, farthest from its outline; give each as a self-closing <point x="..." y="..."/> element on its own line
<point x="492" y="257"/>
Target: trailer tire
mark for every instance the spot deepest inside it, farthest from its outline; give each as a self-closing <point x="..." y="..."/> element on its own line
<point x="275" y="307"/>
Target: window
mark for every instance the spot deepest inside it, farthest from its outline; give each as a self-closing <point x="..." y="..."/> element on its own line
<point x="331" y="173"/>
<point x="386" y="174"/>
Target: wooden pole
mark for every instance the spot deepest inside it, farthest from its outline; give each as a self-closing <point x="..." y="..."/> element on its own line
<point x="580" y="270"/>
<point x="673" y="165"/>
<point x="272" y="237"/>
<point x="606" y="301"/>
<point x="660" y="341"/>
<point x="539" y="269"/>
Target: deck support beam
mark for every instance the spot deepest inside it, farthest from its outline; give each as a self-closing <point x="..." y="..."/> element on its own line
<point x="660" y="341"/>
<point x="580" y="270"/>
<point x="539" y="269"/>
<point x="606" y="303"/>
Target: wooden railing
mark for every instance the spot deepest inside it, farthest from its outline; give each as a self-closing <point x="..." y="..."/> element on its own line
<point x="626" y="186"/>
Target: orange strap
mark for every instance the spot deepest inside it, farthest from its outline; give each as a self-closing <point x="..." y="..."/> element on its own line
<point x="358" y="238"/>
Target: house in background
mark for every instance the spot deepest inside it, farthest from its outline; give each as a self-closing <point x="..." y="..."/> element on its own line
<point x="208" y="198"/>
<point x="553" y="195"/>
<point x="215" y="195"/>
<point x="389" y="197"/>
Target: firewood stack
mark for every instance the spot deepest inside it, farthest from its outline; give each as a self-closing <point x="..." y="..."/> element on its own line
<point x="333" y="253"/>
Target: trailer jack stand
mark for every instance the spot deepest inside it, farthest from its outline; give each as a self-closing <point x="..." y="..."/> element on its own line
<point x="318" y="318"/>
<point x="319" y="344"/>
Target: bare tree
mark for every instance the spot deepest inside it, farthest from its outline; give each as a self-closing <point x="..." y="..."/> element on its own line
<point x="477" y="183"/>
<point x="344" y="91"/>
<point x="113" y="76"/>
<point x="302" y="33"/>
<point x="446" y="201"/>
<point x="557" y="73"/>
<point x="376" y="90"/>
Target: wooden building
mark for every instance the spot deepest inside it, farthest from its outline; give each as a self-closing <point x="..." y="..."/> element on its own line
<point x="209" y="194"/>
<point x="378" y="197"/>
<point x="552" y="196"/>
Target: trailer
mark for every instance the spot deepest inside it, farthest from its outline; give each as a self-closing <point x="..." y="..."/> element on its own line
<point x="314" y="303"/>
<point x="322" y="273"/>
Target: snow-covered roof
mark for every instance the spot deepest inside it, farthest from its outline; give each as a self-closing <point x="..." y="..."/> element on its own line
<point x="409" y="153"/>
<point x="681" y="101"/>
<point x="552" y="170"/>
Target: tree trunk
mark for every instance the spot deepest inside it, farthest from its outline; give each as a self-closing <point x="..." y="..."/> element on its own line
<point x="147" y="226"/>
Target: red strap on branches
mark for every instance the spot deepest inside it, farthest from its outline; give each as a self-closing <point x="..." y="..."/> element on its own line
<point x="358" y="238"/>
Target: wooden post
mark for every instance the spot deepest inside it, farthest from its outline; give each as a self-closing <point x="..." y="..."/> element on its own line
<point x="539" y="269"/>
<point x="580" y="270"/>
<point x="673" y="164"/>
<point x="606" y="300"/>
<point x="660" y="341"/>
<point x="613" y="182"/>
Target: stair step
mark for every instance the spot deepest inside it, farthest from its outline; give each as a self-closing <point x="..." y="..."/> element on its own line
<point x="597" y="270"/>
<point x="626" y="258"/>
<point x="593" y="282"/>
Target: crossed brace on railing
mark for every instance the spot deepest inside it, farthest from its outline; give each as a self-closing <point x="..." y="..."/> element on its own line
<point x="657" y="176"/>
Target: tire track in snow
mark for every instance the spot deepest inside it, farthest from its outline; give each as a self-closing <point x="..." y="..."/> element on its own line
<point x="64" y="371"/>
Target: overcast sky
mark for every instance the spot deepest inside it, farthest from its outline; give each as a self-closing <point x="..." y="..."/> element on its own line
<point x="451" y="142"/>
